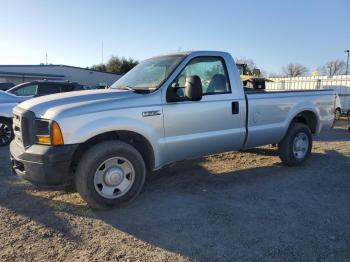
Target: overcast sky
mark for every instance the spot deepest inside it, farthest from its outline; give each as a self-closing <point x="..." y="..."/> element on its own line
<point x="272" y="33"/>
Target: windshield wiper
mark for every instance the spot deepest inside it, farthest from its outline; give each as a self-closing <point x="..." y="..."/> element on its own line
<point x="136" y="90"/>
<point x="125" y="88"/>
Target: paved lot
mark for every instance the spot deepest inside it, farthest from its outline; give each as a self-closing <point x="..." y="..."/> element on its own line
<point x="233" y="206"/>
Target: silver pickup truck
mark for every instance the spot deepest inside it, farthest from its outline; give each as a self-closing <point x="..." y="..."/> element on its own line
<point x="168" y="108"/>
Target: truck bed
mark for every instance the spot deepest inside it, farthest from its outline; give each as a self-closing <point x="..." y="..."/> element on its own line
<point x="269" y="112"/>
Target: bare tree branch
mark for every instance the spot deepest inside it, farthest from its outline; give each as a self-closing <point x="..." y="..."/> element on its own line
<point x="294" y="69"/>
<point x="249" y="62"/>
<point x="335" y="67"/>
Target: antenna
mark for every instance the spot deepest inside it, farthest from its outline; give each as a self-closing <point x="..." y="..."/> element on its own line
<point x="102" y="52"/>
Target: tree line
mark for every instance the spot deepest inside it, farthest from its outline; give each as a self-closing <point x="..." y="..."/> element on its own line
<point x="331" y="68"/>
<point x="116" y="64"/>
<point x="121" y="65"/>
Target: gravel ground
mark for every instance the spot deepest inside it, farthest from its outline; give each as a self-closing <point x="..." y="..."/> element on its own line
<point x="236" y="206"/>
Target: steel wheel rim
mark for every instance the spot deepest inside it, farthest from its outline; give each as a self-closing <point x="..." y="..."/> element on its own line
<point x="114" y="177"/>
<point x="300" y="145"/>
<point x="5" y="133"/>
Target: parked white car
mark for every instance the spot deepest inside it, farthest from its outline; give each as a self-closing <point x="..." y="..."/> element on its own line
<point x="7" y="102"/>
<point x="25" y="91"/>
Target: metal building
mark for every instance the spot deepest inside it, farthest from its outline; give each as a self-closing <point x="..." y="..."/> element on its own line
<point x="24" y="73"/>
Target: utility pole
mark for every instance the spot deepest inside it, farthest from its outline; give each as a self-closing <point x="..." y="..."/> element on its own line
<point x="347" y="61"/>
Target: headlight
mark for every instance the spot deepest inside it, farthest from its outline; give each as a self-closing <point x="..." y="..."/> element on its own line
<point x="48" y="132"/>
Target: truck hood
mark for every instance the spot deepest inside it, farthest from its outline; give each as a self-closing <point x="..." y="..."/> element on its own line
<point x="76" y="103"/>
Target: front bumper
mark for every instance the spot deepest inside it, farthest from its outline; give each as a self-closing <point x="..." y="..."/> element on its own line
<point x="43" y="165"/>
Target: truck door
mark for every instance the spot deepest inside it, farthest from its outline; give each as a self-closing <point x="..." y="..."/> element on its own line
<point x="213" y="124"/>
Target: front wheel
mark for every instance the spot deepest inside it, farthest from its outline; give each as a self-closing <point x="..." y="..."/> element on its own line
<point x="6" y="132"/>
<point x="296" y="146"/>
<point x="109" y="174"/>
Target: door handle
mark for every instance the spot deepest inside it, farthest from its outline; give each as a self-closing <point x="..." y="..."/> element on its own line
<point x="235" y="107"/>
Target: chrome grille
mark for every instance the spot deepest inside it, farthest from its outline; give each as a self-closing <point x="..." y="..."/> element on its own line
<point x="23" y="121"/>
<point x="17" y="127"/>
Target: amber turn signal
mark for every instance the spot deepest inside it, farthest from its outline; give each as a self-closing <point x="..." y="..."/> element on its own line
<point x="56" y="134"/>
<point x="44" y="140"/>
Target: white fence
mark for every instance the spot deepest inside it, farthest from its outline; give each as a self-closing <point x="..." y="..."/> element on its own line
<point x="341" y="84"/>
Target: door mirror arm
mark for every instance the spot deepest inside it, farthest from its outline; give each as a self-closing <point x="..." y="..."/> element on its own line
<point x="193" y="90"/>
<point x="171" y="95"/>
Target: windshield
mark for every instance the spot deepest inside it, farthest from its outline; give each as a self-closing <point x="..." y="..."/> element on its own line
<point x="149" y="74"/>
<point x="13" y="89"/>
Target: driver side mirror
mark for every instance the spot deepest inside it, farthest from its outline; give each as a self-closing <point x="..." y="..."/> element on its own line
<point x="193" y="88"/>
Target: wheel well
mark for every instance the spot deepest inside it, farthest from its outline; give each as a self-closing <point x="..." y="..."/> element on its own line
<point x="308" y="118"/>
<point x="136" y="140"/>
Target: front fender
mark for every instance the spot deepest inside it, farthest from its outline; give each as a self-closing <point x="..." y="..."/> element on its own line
<point x="84" y="129"/>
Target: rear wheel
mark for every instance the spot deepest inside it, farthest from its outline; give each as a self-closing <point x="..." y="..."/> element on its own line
<point x="109" y="174"/>
<point x="296" y="146"/>
<point x="6" y="132"/>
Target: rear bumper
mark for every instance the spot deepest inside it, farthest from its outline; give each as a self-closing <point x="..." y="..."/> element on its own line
<point x="47" y="166"/>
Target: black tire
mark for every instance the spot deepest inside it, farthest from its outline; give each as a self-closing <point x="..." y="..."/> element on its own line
<point x="6" y="132"/>
<point x="92" y="160"/>
<point x="286" y="146"/>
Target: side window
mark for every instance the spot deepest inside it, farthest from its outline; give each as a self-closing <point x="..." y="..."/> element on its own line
<point x="66" y="88"/>
<point x="77" y="88"/>
<point x="211" y="71"/>
<point x="28" y="90"/>
<point x="47" y="89"/>
<point x="71" y="87"/>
